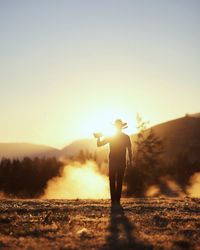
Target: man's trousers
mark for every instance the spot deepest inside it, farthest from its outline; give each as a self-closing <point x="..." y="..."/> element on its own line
<point x="116" y="175"/>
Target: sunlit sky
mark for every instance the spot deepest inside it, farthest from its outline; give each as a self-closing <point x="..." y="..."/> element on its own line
<point x="68" y="68"/>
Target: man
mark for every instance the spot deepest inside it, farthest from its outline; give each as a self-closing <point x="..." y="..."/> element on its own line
<point x="119" y="144"/>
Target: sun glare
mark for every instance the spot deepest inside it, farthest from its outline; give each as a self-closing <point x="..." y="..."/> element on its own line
<point x="103" y="121"/>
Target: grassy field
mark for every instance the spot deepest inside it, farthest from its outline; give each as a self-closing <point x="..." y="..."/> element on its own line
<point x="143" y="223"/>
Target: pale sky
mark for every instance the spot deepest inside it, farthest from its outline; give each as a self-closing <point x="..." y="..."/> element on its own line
<point x="68" y="68"/>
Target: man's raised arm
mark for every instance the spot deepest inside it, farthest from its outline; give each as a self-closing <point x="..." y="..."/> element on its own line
<point x="101" y="143"/>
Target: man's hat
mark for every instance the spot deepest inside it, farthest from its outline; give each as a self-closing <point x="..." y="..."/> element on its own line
<point x="119" y="123"/>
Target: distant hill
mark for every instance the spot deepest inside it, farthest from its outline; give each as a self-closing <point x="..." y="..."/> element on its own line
<point x="20" y="150"/>
<point x="180" y="136"/>
<point x="87" y="145"/>
<point x="75" y="147"/>
<point x="197" y="115"/>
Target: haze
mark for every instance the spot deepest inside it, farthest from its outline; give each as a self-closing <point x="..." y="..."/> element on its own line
<point x="71" y="67"/>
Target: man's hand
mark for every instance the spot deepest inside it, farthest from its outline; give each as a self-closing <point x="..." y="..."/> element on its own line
<point x="97" y="135"/>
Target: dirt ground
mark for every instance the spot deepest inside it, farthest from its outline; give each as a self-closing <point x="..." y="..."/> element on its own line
<point x="142" y="223"/>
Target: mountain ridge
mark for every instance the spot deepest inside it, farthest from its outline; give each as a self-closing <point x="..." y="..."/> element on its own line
<point x="180" y="135"/>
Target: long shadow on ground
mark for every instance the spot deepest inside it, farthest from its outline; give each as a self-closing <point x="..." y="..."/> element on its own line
<point x="121" y="233"/>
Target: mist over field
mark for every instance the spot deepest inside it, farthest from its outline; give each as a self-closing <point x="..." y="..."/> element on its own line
<point x="78" y="181"/>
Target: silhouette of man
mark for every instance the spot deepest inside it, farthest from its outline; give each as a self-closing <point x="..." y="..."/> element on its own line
<point x="119" y="144"/>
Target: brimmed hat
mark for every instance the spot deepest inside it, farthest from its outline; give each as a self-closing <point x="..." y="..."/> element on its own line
<point x="120" y="123"/>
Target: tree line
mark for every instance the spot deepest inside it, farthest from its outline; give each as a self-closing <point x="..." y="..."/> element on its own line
<point x="27" y="178"/>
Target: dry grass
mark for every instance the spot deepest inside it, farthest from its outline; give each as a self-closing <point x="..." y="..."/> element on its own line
<point x="145" y="223"/>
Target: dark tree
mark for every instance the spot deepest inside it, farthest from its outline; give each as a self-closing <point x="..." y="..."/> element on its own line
<point x="27" y="178"/>
<point x="147" y="152"/>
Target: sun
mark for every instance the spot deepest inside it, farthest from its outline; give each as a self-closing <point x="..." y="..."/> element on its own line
<point x="99" y="123"/>
<point x="103" y="122"/>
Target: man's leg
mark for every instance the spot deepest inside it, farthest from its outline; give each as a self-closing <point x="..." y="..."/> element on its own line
<point x="112" y="178"/>
<point x="120" y="176"/>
